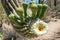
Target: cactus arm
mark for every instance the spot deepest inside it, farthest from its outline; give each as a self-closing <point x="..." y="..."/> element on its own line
<point x="39" y="10"/>
<point x="44" y="8"/>
<point x="34" y="10"/>
<point x="25" y="5"/>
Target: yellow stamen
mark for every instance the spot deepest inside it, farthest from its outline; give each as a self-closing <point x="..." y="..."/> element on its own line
<point x="40" y="27"/>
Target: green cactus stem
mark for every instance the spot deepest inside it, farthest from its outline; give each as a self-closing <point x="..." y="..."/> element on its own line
<point x="44" y="8"/>
<point x="19" y="11"/>
<point x="34" y="10"/>
<point x="14" y="20"/>
<point x="32" y="2"/>
<point x="25" y="5"/>
<point x="39" y="10"/>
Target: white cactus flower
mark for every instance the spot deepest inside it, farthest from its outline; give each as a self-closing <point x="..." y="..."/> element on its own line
<point x="40" y="27"/>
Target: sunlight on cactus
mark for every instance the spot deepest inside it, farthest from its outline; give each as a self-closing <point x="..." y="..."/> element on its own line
<point x="30" y="25"/>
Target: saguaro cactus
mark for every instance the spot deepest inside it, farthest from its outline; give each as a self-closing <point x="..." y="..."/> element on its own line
<point x="28" y="26"/>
